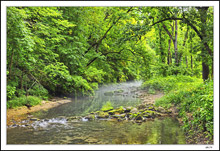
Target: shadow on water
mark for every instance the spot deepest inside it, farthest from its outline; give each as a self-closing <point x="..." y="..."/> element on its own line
<point x="52" y="129"/>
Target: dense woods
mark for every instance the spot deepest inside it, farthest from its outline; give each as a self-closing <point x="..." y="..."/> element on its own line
<point x="60" y="51"/>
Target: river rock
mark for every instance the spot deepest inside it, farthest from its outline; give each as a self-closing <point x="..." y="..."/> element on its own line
<point x="102" y="115"/>
<point x="127" y="109"/>
<point x="134" y="110"/>
<point x="113" y="120"/>
<point x="90" y="117"/>
<point x="34" y="119"/>
<point x="46" y="119"/>
<point x="139" y="117"/>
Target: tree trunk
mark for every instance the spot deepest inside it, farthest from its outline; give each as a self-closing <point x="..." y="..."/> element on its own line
<point x="169" y="59"/>
<point x="160" y="45"/>
<point x="10" y="65"/>
<point x="191" y="62"/>
<point x="175" y="44"/>
<point x="205" y="71"/>
<point x="203" y="17"/>
<point x="186" y="62"/>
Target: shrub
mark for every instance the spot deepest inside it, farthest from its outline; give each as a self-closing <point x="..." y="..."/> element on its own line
<point x="38" y="90"/>
<point x="21" y="101"/>
<point x="10" y="91"/>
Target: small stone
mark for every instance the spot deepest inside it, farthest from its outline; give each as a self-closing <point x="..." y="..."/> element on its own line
<point x="14" y="125"/>
<point x="134" y="110"/>
<point x="138" y="121"/>
<point x="139" y="117"/>
<point x="127" y="109"/>
<point x="113" y="120"/>
<point x="34" y="119"/>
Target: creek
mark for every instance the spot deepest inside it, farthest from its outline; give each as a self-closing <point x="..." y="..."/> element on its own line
<point x="54" y="128"/>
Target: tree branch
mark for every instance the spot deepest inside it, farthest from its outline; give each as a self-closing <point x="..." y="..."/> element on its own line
<point x="191" y="25"/>
<point x="165" y="28"/>
<point x="104" y="36"/>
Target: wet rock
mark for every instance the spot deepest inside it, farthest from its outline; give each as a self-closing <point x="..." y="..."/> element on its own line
<point x="112" y="112"/>
<point x="127" y="109"/>
<point x="120" y="119"/>
<point x="116" y="116"/>
<point x="113" y="120"/>
<point x="147" y="116"/>
<point x="123" y="115"/>
<point x="151" y="108"/>
<point x="139" y="117"/>
<point x="34" y="119"/>
<point x="29" y="116"/>
<point x="134" y="110"/>
<point x="161" y="110"/>
<point x="102" y="115"/>
<point x="117" y="111"/>
<point x="149" y="112"/>
<point x="90" y="117"/>
<point x="107" y="109"/>
<point x="120" y="110"/>
<point x="138" y="121"/>
<point x="46" y="119"/>
<point x="73" y="118"/>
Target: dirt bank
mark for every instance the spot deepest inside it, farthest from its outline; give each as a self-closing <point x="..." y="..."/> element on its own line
<point x="21" y="113"/>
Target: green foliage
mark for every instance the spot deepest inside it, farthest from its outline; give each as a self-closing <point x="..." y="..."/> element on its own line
<point x="94" y="75"/>
<point x="195" y="98"/>
<point x="107" y="106"/>
<point x="10" y="91"/>
<point x="39" y="91"/>
<point x="166" y="84"/>
<point x="21" y="101"/>
<point x="74" y="49"/>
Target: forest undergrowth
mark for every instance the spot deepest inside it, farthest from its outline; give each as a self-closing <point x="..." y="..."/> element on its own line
<point x="193" y="99"/>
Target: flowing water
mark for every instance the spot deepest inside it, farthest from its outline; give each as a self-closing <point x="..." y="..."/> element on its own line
<point x="53" y="127"/>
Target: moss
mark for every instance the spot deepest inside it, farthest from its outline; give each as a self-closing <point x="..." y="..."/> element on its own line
<point x="107" y="107"/>
<point x="116" y="111"/>
<point x="102" y="115"/>
<point x="150" y="108"/>
<point x="149" y="112"/>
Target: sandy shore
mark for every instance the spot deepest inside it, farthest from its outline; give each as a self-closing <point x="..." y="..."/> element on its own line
<point x="21" y="113"/>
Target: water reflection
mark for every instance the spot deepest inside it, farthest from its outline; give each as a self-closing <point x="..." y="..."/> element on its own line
<point x="159" y="131"/>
